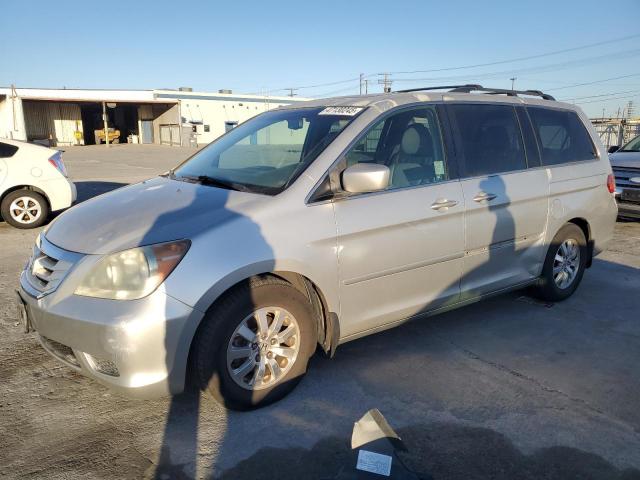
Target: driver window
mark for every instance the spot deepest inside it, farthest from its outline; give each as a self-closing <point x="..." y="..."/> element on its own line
<point x="409" y="143"/>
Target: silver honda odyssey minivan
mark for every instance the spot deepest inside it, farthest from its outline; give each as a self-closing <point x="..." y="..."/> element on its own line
<point x="316" y="224"/>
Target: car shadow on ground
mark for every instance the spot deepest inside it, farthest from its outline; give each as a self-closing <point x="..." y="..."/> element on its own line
<point x="369" y="373"/>
<point x="89" y="189"/>
<point x="446" y="451"/>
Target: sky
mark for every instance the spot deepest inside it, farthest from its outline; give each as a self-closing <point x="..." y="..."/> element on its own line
<point x="321" y="47"/>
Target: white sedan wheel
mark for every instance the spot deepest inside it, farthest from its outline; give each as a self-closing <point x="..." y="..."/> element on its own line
<point x="25" y="210"/>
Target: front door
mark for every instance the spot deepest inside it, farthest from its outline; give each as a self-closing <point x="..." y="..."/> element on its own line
<point x="400" y="250"/>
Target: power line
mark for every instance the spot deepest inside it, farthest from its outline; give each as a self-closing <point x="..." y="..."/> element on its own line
<point x="530" y="57"/>
<point x="598" y="96"/>
<point x="318" y="85"/>
<point x="607" y="99"/>
<point x="540" y="68"/>
<point x="594" y="82"/>
<point x="500" y="62"/>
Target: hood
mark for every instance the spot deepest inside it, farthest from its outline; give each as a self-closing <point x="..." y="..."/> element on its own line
<point x="156" y="210"/>
<point x="625" y="159"/>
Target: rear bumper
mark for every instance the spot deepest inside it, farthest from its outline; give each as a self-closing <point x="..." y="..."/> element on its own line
<point x="61" y="193"/>
<point x="139" y="348"/>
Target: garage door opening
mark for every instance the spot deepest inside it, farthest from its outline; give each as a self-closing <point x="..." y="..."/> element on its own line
<point x="80" y="123"/>
<point x="122" y="119"/>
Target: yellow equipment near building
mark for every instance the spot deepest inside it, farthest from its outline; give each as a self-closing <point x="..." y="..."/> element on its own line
<point x="114" y="136"/>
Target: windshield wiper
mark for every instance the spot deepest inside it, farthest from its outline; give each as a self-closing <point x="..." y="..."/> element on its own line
<point x="213" y="182"/>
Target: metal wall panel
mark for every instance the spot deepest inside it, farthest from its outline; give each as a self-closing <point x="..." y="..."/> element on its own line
<point x="55" y="120"/>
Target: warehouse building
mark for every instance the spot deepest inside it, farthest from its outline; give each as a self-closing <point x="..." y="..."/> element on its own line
<point x="64" y="117"/>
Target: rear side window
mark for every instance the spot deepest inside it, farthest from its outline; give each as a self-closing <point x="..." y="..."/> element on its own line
<point x="490" y="139"/>
<point x="561" y="135"/>
<point x="7" y="150"/>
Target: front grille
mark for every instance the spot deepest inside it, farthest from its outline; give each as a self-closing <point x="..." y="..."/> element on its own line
<point x="48" y="266"/>
<point x="624" y="175"/>
<point x="60" y="351"/>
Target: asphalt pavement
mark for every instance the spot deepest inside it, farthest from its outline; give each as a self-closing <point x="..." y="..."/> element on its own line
<point x="508" y="388"/>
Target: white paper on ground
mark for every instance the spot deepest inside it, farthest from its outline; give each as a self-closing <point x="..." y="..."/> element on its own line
<point x="374" y="463"/>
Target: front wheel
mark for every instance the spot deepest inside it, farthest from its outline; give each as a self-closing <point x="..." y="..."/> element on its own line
<point x="24" y="209"/>
<point x="564" y="264"/>
<point x="254" y="345"/>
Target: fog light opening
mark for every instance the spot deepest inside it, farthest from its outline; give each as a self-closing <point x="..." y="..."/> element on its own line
<point x="105" y="367"/>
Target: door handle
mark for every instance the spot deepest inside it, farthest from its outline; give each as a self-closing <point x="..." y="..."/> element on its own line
<point x="484" y="197"/>
<point x="443" y="204"/>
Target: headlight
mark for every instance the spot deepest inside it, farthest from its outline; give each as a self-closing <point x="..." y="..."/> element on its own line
<point x="134" y="273"/>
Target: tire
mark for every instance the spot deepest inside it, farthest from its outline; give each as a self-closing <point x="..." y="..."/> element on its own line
<point x="115" y="141"/>
<point x="560" y="286"/>
<point x="24" y="209"/>
<point x="221" y="332"/>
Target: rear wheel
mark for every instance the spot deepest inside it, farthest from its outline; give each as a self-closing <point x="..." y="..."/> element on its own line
<point x="24" y="209"/>
<point x="564" y="264"/>
<point x="254" y="345"/>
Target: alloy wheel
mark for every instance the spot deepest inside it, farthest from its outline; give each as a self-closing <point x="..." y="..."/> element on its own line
<point x="566" y="263"/>
<point x="263" y="348"/>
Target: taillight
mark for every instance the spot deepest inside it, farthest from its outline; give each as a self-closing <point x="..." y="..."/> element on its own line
<point x="58" y="164"/>
<point x="611" y="183"/>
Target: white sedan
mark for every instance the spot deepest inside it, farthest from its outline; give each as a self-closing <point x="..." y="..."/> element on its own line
<point x="33" y="183"/>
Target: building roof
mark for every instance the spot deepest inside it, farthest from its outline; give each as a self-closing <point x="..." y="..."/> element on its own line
<point x="136" y="96"/>
<point x="228" y="97"/>
<point x="82" y="95"/>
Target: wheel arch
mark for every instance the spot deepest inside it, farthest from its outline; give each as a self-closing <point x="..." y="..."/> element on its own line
<point x="32" y="188"/>
<point x="328" y="328"/>
<point x="583" y="224"/>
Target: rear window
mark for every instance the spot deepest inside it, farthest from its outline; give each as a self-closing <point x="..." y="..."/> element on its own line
<point x="7" y="150"/>
<point x="561" y="136"/>
<point x="490" y="137"/>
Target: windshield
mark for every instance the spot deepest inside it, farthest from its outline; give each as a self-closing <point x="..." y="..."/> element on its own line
<point x="632" y="146"/>
<point x="267" y="153"/>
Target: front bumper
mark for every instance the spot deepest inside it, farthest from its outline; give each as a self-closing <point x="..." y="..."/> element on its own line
<point x="138" y="347"/>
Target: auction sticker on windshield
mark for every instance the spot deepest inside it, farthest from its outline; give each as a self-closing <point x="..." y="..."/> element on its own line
<point x="347" y="111"/>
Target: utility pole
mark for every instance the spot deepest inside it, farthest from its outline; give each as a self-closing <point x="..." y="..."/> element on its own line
<point x="385" y="81"/>
<point x="366" y="86"/>
<point x="14" y="94"/>
<point x="292" y="92"/>
<point x="106" y="124"/>
<point x="513" y="81"/>
<point x="361" y="81"/>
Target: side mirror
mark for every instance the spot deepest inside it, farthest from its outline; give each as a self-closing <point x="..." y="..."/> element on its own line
<point x="365" y="177"/>
<point x="613" y="148"/>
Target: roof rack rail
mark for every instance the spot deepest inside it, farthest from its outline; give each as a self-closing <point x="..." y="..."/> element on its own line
<point x="479" y="88"/>
<point x="442" y="87"/>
